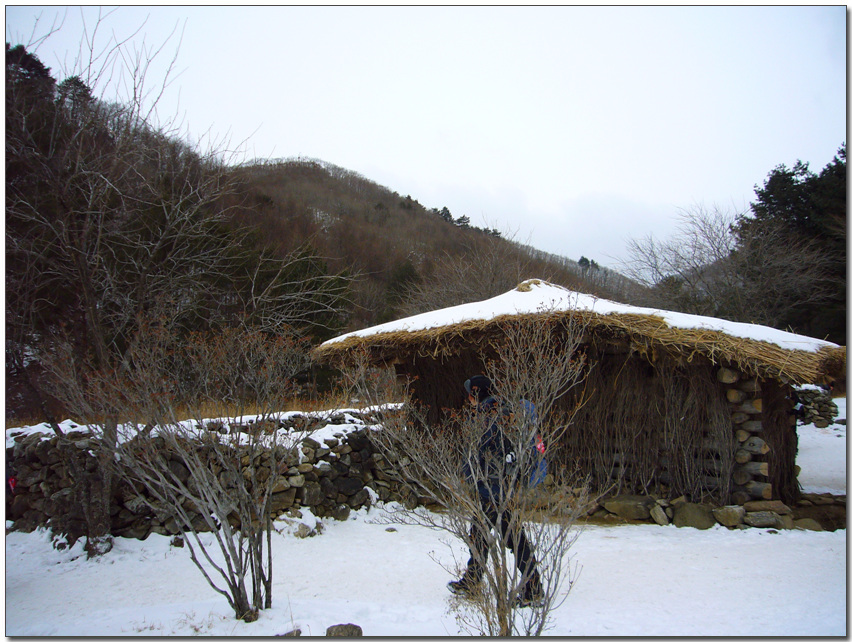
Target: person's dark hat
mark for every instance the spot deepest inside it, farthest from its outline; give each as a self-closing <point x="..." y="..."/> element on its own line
<point x="481" y="383"/>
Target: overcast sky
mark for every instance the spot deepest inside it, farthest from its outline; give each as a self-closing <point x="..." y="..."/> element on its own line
<point x="575" y="128"/>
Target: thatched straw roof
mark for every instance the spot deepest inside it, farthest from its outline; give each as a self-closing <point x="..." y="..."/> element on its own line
<point x="760" y="350"/>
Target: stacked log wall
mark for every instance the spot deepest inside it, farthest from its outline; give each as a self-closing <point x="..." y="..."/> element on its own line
<point x="765" y="436"/>
<point x="661" y="428"/>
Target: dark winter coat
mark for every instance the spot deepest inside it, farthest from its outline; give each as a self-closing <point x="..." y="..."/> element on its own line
<point x="495" y="453"/>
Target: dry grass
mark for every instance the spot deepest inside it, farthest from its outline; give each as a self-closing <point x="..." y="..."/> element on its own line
<point x="20" y="422"/>
<point x="211" y="410"/>
<point x="646" y="334"/>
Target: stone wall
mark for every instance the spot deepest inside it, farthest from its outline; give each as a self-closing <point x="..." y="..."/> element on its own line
<point x="810" y="512"/>
<point x="332" y="476"/>
<point x="815" y="406"/>
<point x="335" y="475"/>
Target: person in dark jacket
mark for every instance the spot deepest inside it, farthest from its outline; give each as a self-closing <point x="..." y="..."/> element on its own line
<point x="495" y="455"/>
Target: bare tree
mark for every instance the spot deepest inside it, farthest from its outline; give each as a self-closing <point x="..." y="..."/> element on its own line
<point x="109" y="213"/>
<point x="489" y="266"/>
<point x="778" y="273"/>
<point x="536" y="362"/>
<point x="111" y="222"/>
<point x="91" y="181"/>
<point x="707" y="268"/>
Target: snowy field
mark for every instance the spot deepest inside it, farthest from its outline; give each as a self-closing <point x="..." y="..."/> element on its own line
<point x="635" y="580"/>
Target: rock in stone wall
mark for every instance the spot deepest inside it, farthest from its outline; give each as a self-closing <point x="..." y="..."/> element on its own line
<point x="45" y="490"/>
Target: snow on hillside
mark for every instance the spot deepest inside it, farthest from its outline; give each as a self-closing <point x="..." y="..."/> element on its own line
<point x="535" y="295"/>
<point x="635" y="580"/>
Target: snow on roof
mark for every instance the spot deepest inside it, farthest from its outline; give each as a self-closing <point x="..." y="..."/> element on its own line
<point x="535" y="295"/>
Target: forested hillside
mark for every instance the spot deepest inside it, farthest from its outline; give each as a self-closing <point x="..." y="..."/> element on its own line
<point x="400" y="254"/>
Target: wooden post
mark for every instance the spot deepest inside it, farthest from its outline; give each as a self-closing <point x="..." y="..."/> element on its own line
<point x="726" y="375"/>
<point x="740" y="497"/>
<point x="749" y="385"/>
<point x="739" y="417"/>
<point x="745" y="473"/>
<point x="759" y="490"/>
<point x="757" y="467"/>
<point x="736" y="396"/>
<point x="755" y="490"/>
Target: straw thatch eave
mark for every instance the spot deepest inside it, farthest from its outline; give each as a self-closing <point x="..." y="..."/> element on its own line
<point x="647" y="335"/>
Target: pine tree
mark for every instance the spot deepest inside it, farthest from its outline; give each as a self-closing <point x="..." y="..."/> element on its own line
<point x="808" y="206"/>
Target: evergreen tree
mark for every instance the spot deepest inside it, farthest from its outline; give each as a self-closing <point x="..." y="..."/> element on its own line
<point x="808" y="206"/>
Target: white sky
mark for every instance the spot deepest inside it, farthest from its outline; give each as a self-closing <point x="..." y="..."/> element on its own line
<point x="575" y="128"/>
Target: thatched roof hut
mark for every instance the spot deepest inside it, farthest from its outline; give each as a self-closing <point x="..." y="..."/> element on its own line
<point x="680" y="404"/>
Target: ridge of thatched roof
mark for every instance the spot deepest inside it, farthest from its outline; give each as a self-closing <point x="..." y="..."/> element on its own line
<point x="764" y="351"/>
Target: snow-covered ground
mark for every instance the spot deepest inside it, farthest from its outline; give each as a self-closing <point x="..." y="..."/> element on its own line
<point x="634" y="581"/>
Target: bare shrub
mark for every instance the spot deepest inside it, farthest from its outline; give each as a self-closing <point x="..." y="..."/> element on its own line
<point x="537" y="362"/>
<point x="219" y="481"/>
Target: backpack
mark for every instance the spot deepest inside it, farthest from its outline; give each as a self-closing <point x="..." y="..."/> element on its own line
<point x="538" y="466"/>
<point x="539" y="471"/>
